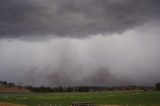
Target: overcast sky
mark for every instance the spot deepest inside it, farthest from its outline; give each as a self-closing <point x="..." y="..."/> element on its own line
<point x="80" y="42"/>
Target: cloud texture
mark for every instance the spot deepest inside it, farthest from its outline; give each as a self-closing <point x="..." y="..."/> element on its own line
<point x="120" y="44"/>
<point x="128" y="59"/>
<point x="73" y="18"/>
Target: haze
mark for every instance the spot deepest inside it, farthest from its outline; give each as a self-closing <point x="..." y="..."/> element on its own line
<point x="80" y="42"/>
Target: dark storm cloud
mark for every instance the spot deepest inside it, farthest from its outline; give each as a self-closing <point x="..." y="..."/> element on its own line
<point x="132" y="58"/>
<point x="73" y="18"/>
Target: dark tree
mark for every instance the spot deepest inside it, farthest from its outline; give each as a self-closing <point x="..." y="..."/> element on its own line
<point x="10" y="85"/>
<point x="69" y="89"/>
<point x="83" y="89"/>
<point x="60" y="89"/>
<point x="4" y="83"/>
<point x="158" y="86"/>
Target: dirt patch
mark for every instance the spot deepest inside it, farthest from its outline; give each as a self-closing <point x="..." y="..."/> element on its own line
<point x="13" y="90"/>
<point x="9" y="104"/>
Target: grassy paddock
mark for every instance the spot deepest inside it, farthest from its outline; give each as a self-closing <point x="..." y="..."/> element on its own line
<point x="117" y="98"/>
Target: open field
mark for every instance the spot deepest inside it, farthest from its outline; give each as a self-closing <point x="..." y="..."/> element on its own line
<point x="9" y="104"/>
<point x="128" y="98"/>
<point x="13" y="90"/>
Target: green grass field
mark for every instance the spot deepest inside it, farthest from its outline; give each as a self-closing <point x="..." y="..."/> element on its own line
<point x="132" y="98"/>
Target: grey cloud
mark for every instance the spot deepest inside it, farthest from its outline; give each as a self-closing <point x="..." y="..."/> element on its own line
<point x="130" y="59"/>
<point x="55" y="63"/>
<point x="97" y="77"/>
<point x="73" y="18"/>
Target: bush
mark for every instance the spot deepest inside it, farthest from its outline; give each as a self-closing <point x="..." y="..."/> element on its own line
<point x="158" y="86"/>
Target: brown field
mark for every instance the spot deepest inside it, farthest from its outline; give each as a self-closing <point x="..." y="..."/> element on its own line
<point x="9" y="104"/>
<point x="13" y="90"/>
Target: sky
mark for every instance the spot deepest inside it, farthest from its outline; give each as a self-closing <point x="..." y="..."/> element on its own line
<point x="80" y="42"/>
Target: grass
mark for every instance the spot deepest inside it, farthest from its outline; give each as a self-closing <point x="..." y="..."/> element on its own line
<point x="132" y="98"/>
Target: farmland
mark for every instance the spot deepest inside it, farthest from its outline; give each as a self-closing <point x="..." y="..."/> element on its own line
<point x="130" y="98"/>
<point x="9" y="104"/>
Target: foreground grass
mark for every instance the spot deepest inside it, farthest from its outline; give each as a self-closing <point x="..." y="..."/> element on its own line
<point x="132" y="98"/>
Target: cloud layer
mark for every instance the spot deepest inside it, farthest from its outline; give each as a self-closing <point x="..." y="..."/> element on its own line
<point x="73" y="18"/>
<point x="121" y="45"/>
<point x="130" y="59"/>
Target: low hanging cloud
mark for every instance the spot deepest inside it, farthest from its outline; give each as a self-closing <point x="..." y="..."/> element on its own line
<point x="73" y="18"/>
<point x="130" y="59"/>
<point x="128" y="56"/>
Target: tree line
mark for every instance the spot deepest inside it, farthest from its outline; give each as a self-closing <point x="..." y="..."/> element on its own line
<point x="58" y="89"/>
<point x="79" y="88"/>
<point x="7" y="84"/>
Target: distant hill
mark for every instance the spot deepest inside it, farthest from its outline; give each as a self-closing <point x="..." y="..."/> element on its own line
<point x="6" y="87"/>
<point x="13" y="90"/>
